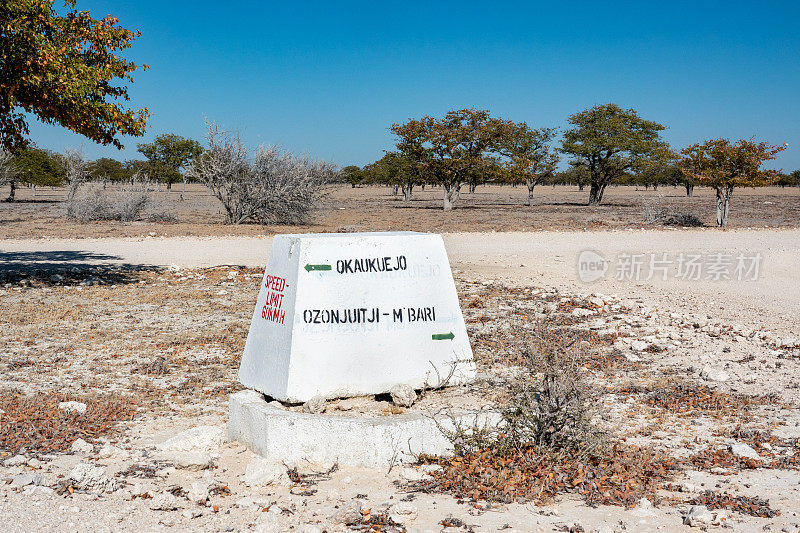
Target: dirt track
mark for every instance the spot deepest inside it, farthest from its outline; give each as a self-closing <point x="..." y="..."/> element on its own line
<point x="543" y="258"/>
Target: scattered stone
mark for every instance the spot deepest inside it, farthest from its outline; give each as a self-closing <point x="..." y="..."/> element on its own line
<point x="349" y="514"/>
<point x="75" y="407"/>
<point x="403" y="512"/>
<point x="188" y="460"/>
<point x="38" y="492"/>
<point x="638" y="346"/>
<point x="714" y="374"/>
<point x="788" y="342"/>
<point x="270" y="521"/>
<point x="33" y="462"/>
<point x="741" y="449"/>
<point x="198" y="439"/>
<point x="596" y="300"/>
<point x="109" y="451"/>
<point x="261" y="472"/>
<point x="315" y="405"/>
<point x="581" y="312"/>
<point x="698" y="516"/>
<point x="88" y="477"/>
<point x="199" y="491"/>
<point x="252" y="502"/>
<point x="23" y="480"/>
<point x="164" y="501"/>
<point x="412" y="474"/>
<point x="56" y="278"/>
<point x="403" y="395"/>
<point x="17" y="460"/>
<point x="192" y="513"/>
<point x="81" y="446"/>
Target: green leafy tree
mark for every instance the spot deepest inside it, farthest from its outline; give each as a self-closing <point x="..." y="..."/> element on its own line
<point x="169" y="155"/>
<point x="725" y="165"/>
<point x="611" y="141"/>
<point x="529" y="155"/>
<point x="352" y="174"/>
<point x="36" y="167"/>
<point x="395" y="170"/>
<point x="61" y="68"/>
<point x="450" y="151"/>
<point x="108" y="169"/>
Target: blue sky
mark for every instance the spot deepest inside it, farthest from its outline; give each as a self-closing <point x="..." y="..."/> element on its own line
<point x="328" y="78"/>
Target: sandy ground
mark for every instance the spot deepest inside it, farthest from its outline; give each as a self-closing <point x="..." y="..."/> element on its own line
<point x="541" y="258"/>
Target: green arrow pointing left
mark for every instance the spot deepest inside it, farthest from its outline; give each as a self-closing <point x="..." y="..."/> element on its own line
<point x="309" y="268"/>
<point x="443" y="336"/>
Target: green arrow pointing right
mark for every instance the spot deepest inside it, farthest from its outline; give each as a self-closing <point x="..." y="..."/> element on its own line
<point x="443" y="336"/>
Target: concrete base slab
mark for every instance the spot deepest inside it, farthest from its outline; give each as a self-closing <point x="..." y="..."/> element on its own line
<point x="282" y="435"/>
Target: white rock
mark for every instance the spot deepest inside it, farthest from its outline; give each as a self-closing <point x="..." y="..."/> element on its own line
<point x="187" y="460"/>
<point x="192" y="513"/>
<point x="198" y="439"/>
<point x="38" y="492"/>
<point x="349" y="514"/>
<point x="788" y="342"/>
<point x="109" y="451"/>
<point x="164" y="501"/>
<point x="403" y="395"/>
<point x="268" y="523"/>
<point x="403" y="511"/>
<point x="581" y="312"/>
<point x="596" y="300"/>
<point x="253" y="502"/>
<point x="89" y="477"/>
<point x="740" y="449"/>
<point x="698" y="516"/>
<point x="23" y="480"/>
<point x="638" y="346"/>
<point x="199" y="490"/>
<point x="261" y="472"/>
<point x="412" y="474"/>
<point x="714" y="374"/>
<point x="75" y="407"/>
<point x="17" y="460"/>
<point x="81" y="446"/>
<point x="315" y="405"/>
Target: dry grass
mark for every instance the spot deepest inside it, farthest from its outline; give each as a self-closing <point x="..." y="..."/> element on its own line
<point x="36" y="424"/>
<point x="374" y="209"/>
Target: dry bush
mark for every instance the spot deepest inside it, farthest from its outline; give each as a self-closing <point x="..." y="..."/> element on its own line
<point x="547" y="443"/>
<point x="35" y="422"/>
<point x="276" y="187"/>
<point x="92" y="202"/>
<point x="684" y="220"/>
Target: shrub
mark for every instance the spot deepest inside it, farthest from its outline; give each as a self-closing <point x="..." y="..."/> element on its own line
<point x="92" y="202"/>
<point x="685" y="220"/>
<point x="276" y="187"/>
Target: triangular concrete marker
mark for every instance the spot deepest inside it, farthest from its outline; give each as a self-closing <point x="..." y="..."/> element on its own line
<point x="348" y="314"/>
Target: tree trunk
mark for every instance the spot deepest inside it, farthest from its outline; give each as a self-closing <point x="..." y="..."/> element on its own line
<point x="407" y="192"/>
<point x="596" y="193"/>
<point x="655" y="186"/>
<point x="394" y="190"/>
<point x="472" y="187"/>
<point x="723" y="205"/>
<point x="530" y="184"/>
<point x="451" y="193"/>
<point x="183" y="187"/>
<point x="33" y="187"/>
<point x="13" y="191"/>
<point x="581" y="185"/>
<point x="689" y="190"/>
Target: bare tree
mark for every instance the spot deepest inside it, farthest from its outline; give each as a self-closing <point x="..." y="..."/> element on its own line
<point x="276" y="187"/>
<point x="76" y="170"/>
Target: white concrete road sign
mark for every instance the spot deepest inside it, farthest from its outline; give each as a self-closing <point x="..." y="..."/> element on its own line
<point x="355" y="313"/>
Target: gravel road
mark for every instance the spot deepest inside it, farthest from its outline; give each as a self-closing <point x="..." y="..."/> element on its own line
<point x="542" y="258"/>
